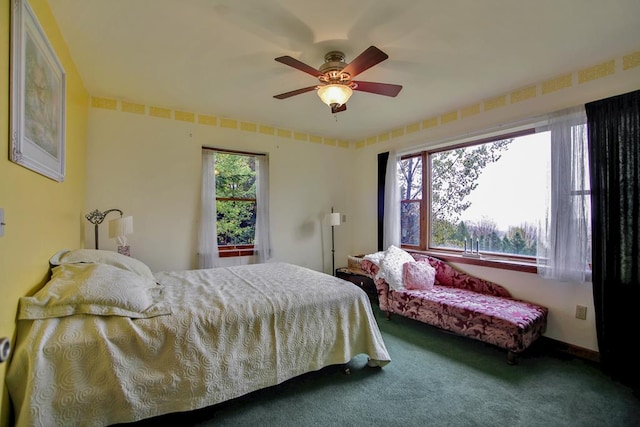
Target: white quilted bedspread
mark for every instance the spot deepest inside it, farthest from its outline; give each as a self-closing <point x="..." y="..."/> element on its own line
<point x="232" y="331"/>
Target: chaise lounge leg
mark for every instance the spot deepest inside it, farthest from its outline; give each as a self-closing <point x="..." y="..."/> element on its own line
<point x="512" y="358"/>
<point x="388" y="315"/>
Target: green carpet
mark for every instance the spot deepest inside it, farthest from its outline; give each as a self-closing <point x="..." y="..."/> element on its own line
<point x="434" y="378"/>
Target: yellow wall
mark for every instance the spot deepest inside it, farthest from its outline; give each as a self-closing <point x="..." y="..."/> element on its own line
<point x="42" y="215"/>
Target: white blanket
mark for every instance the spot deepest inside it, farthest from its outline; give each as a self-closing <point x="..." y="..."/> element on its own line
<point x="232" y="331"/>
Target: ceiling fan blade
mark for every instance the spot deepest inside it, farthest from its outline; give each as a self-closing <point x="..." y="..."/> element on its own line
<point x="292" y="62"/>
<point x="294" y="92"/>
<point x="385" y="89"/>
<point x="337" y="109"/>
<point x="367" y="59"/>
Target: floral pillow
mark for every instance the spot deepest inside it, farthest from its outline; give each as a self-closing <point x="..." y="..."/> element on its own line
<point x="391" y="266"/>
<point x="418" y="276"/>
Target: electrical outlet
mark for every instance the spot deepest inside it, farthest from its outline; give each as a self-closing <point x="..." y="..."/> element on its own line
<point x="581" y="312"/>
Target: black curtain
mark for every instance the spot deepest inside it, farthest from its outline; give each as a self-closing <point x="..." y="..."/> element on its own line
<point x="614" y="161"/>
<point x="382" y="173"/>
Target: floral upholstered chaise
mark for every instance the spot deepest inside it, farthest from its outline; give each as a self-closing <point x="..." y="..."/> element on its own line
<point x="427" y="289"/>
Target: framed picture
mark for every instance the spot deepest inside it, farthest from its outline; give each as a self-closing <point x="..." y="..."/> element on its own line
<point x="37" y="97"/>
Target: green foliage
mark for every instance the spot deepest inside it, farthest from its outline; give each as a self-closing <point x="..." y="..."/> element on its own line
<point x="235" y="176"/>
<point x="236" y="222"/>
<point x="236" y="185"/>
<point x="454" y="175"/>
<point x="442" y="231"/>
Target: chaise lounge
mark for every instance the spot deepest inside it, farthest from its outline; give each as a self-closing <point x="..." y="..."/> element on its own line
<point x="454" y="301"/>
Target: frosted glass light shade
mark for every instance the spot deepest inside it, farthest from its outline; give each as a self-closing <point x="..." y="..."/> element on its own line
<point x="334" y="94"/>
<point x="120" y="227"/>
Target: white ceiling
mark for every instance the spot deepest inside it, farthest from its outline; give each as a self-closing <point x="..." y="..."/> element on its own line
<point x="217" y="56"/>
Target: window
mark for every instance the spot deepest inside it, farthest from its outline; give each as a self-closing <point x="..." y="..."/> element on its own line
<point x="235" y="175"/>
<point x="486" y="196"/>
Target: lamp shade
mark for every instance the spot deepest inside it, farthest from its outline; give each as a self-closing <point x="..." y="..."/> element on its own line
<point x="120" y="227"/>
<point x="333" y="218"/>
<point x="334" y="94"/>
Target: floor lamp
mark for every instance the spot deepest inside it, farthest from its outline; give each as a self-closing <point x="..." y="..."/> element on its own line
<point x="333" y="219"/>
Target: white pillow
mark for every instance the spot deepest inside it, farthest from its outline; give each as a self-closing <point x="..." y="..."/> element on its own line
<point x="391" y="266"/>
<point x="115" y="259"/>
<point x="375" y="257"/>
<point x="98" y="289"/>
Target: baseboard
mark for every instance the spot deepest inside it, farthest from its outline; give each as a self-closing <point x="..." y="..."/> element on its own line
<point x="573" y="350"/>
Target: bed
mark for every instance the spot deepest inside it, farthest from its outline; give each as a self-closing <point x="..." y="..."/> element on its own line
<point x="106" y="341"/>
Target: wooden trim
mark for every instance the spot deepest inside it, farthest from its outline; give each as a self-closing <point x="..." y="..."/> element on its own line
<point x="222" y="150"/>
<point x="235" y="251"/>
<point x="425" y="202"/>
<point x="574" y="350"/>
<point x="515" y="264"/>
<point x="425" y="207"/>
<point x="524" y="132"/>
<point x="235" y="199"/>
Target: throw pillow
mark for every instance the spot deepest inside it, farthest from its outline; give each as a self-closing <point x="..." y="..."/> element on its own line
<point x="419" y="276"/>
<point x="391" y="266"/>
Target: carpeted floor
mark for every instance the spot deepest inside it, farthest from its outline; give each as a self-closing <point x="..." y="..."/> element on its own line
<point x="434" y="379"/>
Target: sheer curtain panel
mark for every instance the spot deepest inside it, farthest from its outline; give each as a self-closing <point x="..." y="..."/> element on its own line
<point x="391" y="234"/>
<point x="262" y="241"/>
<point x="207" y="235"/>
<point x="563" y="238"/>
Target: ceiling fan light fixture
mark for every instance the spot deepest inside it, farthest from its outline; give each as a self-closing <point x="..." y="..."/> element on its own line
<point x="335" y="94"/>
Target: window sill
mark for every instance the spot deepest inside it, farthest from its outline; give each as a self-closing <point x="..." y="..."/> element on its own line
<point x="235" y="251"/>
<point x="524" y="266"/>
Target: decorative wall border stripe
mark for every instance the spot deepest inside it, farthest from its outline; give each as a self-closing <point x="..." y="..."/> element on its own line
<point x="523" y="94"/>
<point x="204" y="119"/>
<point x="131" y="107"/>
<point x="597" y="71"/>
<point x="631" y="61"/>
<point x="185" y="116"/>
<point x="209" y="120"/>
<point x="163" y="113"/>
<point x="107" y="104"/>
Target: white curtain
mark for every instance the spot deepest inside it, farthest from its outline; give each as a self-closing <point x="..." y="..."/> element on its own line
<point x="262" y="241"/>
<point x="563" y="251"/>
<point x="391" y="226"/>
<point x="207" y="235"/>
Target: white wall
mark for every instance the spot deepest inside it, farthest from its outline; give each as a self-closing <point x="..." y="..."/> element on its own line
<point x="149" y="167"/>
<point x="544" y="98"/>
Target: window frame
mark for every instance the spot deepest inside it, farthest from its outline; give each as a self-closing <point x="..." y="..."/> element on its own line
<point x="508" y="261"/>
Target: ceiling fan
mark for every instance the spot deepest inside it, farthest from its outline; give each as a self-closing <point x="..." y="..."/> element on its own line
<point x="335" y="76"/>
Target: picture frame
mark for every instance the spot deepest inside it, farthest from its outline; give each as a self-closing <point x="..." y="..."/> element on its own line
<point x="38" y="97"/>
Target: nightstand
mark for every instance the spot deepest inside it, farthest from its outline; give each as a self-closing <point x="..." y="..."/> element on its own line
<point x="362" y="281"/>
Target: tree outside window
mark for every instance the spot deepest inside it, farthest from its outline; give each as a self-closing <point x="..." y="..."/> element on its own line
<point x="235" y="199"/>
<point x="438" y="214"/>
